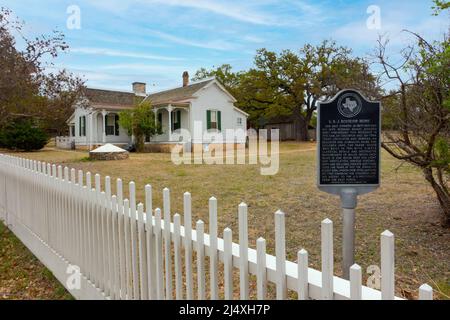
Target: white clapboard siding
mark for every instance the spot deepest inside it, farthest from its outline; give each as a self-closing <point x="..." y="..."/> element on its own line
<point x="124" y="251"/>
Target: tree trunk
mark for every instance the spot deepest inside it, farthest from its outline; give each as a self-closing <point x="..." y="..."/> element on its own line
<point x="441" y="193"/>
<point x="300" y="125"/>
<point x="140" y="143"/>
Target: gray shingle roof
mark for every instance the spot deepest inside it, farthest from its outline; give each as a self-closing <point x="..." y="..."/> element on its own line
<point x="176" y="94"/>
<point x="100" y="97"/>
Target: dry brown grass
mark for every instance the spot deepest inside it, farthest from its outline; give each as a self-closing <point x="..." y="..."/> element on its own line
<point x="404" y="204"/>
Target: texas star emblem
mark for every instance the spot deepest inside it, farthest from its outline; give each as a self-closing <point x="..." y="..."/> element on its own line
<point x="349" y="105"/>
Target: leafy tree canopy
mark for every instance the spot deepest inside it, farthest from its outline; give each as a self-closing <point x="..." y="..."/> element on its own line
<point x="27" y="85"/>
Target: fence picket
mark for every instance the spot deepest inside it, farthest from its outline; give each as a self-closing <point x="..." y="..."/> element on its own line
<point x="127" y="245"/>
<point x="159" y="257"/>
<point x="425" y="292"/>
<point x="280" y="251"/>
<point x="387" y="265"/>
<point x="213" y="272"/>
<point x="261" y="274"/>
<point x="121" y="227"/>
<point x="355" y="282"/>
<point x="200" y="228"/>
<point x="177" y="257"/>
<point x="243" y="251"/>
<point x="103" y="242"/>
<point x="302" y="267"/>
<point x="108" y="236"/>
<point x="151" y="266"/>
<point x="167" y="243"/>
<point x="134" y="241"/>
<point x="188" y="245"/>
<point x="115" y="248"/>
<point x="143" y="283"/>
<point x="228" y="263"/>
<point x="327" y="259"/>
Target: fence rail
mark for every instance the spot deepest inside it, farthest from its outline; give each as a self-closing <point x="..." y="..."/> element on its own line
<point x="124" y="250"/>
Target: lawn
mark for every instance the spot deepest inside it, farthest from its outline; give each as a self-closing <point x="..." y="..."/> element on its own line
<point x="22" y="276"/>
<point x="404" y="204"/>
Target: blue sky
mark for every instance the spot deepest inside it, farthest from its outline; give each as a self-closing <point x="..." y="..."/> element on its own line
<point x="154" y="41"/>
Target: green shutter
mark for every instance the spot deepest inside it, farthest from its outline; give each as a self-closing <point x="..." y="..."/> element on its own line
<point x="208" y="119"/>
<point x="79" y="126"/>
<point x="219" y="120"/>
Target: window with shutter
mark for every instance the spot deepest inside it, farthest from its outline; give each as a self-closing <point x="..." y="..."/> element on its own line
<point x="213" y="119"/>
<point x="110" y="125"/>
<point x="208" y="119"/>
<point x="82" y="126"/>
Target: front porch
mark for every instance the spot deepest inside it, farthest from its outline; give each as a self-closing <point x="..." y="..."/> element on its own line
<point x="170" y="117"/>
<point x="97" y="127"/>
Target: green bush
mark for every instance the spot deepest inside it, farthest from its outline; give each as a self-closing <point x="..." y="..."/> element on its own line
<point x="23" y="135"/>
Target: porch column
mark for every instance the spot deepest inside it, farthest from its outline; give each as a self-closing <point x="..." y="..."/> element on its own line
<point x="169" y="110"/>
<point x="90" y="129"/>
<point x="104" y="113"/>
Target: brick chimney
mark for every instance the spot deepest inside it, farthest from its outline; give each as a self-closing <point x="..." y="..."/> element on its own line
<point x="185" y="79"/>
<point x="139" y="88"/>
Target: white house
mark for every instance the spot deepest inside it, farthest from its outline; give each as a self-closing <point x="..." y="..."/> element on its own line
<point x="206" y="102"/>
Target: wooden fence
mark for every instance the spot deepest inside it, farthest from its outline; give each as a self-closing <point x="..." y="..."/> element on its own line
<point x="125" y="250"/>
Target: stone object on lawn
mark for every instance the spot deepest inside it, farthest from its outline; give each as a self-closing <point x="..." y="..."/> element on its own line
<point x="109" y="152"/>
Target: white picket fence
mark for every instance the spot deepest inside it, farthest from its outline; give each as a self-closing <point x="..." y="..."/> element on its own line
<point x="125" y="250"/>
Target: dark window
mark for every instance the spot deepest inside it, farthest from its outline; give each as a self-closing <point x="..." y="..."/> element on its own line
<point x="112" y="125"/>
<point x="176" y="120"/>
<point x="160" y="120"/>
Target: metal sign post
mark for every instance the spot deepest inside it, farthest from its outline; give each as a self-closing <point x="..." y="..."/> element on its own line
<point x="348" y="154"/>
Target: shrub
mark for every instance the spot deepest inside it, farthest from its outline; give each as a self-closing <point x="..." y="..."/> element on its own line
<point x="23" y="135"/>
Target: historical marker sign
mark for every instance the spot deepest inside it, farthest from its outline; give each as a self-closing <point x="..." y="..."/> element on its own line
<point x="348" y="134"/>
<point x="348" y="143"/>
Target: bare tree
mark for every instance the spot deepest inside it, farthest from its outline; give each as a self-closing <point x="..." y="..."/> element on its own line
<point x="420" y="108"/>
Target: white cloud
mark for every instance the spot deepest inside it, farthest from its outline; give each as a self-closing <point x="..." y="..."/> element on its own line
<point x="142" y="68"/>
<point x="254" y="39"/>
<point x="120" y="53"/>
<point x="215" y="44"/>
<point x="231" y="10"/>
